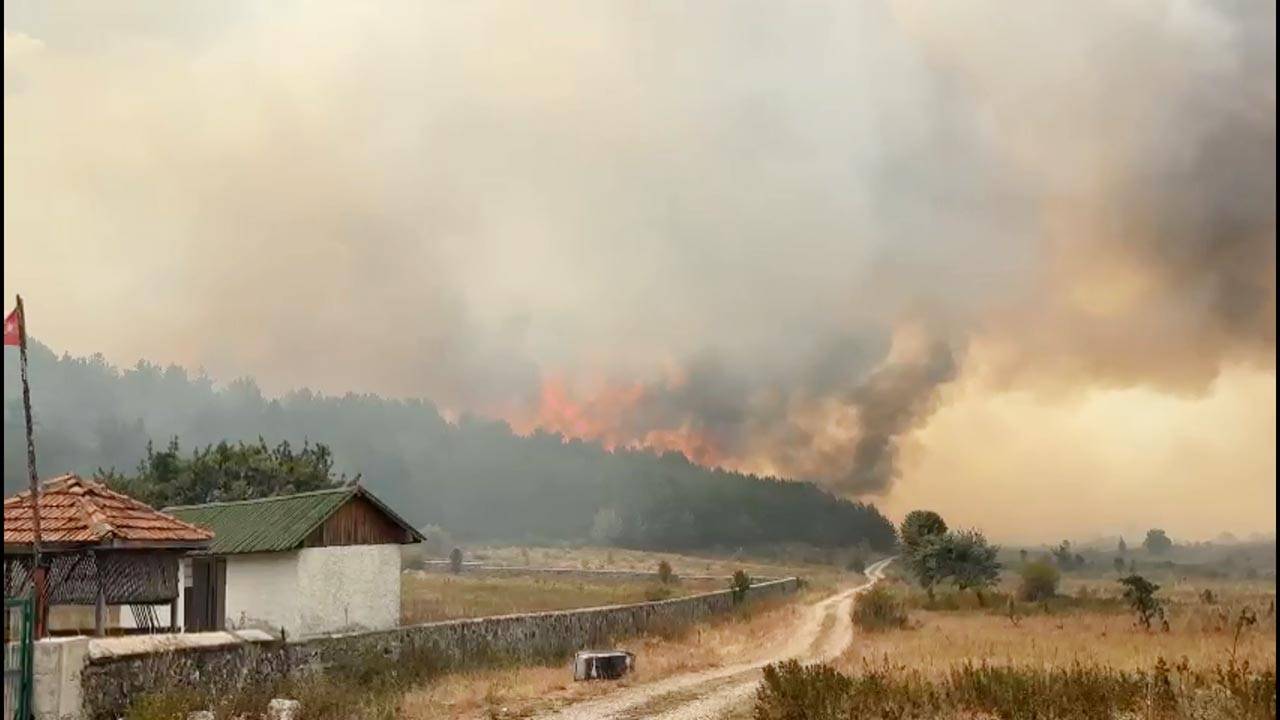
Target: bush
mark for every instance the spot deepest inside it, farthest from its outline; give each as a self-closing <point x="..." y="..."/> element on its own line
<point x="658" y="592"/>
<point x="1141" y="594"/>
<point x="1039" y="581"/>
<point x="664" y="572"/>
<point x="879" y="609"/>
<point x="857" y="565"/>
<point x="740" y="585"/>
<point x="455" y="560"/>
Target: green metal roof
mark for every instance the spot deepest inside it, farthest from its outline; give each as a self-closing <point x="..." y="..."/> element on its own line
<point x="265" y="524"/>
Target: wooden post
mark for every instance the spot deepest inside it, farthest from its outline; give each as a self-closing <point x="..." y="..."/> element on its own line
<point x="100" y="603"/>
<point x="37" y="569"/>
<point x="173" y="614"/>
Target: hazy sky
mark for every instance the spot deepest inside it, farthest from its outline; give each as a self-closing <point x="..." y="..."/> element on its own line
<point x="1012" y="261"/>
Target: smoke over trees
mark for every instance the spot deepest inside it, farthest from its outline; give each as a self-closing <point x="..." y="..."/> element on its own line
<point x="767" y="236"/>
<point x="477" y="479"/>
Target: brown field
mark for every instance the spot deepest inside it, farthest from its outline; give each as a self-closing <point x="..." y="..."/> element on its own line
<point x="804" y="562"/>
<point x="428" y="597"/>
<point x="518" y="692"/>
<point x="1078" y="655"/>
<point x="1090" y="625"/>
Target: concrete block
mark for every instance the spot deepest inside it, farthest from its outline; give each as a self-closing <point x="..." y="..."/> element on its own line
<point x="56" y="666"/>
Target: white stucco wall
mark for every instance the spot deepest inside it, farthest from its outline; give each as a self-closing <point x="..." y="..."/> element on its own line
<point x="348" y="588"/>
<point x="306" y="592"/>
<point x="262" y="592"/>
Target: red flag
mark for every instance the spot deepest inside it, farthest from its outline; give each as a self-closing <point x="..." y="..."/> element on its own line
<point x="12" y="331"/>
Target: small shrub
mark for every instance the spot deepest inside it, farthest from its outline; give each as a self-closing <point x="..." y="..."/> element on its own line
<point x="740" y="585"/>
<point x="1207" y="597"/>
<point x="455" y="560"/>
<point x="658" y="592"/>
<point x="857" y="564"/>
<point x="879" y="609"/>
<point x="1141" y="595"/>
<point x="1039" y="581"/>
<point x="665" y="575"/>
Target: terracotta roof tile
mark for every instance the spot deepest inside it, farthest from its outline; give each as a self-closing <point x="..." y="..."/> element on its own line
<point x="78" y="511"/>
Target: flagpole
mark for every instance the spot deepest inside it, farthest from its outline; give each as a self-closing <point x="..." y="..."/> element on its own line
<point x="37" y="569"/>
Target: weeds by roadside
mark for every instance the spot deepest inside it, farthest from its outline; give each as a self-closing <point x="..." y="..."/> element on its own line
<point x="791" y="691"/>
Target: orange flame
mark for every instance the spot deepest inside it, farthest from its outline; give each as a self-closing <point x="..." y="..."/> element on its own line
<point x="610" y="414"/>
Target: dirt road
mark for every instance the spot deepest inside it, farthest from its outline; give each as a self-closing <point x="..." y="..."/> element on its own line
<point x="825" y="631"/>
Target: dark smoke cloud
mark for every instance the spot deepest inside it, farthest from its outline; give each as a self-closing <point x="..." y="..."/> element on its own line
<point x="739" y="207"/>
<point x="894" y="400"/>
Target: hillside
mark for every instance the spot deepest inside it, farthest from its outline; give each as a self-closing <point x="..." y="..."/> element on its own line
<point x="475" y="478"/>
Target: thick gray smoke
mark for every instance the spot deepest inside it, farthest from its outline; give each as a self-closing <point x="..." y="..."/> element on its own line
<point x="698" y="227"/>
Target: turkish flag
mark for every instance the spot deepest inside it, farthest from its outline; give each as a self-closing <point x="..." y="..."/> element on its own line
<point x="12" y="331"/>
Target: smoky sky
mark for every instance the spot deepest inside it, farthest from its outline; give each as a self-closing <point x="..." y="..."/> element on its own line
<point x="784" y="227"/>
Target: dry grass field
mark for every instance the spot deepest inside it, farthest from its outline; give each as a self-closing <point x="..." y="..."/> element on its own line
<point x="1094" y="631"/>
<point x="427" y="597"/>
<point x="807" y="562"/>
<point x="1079" y="655"/>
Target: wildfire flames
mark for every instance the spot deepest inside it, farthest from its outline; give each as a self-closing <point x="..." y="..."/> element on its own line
<point x="614" y="414"/>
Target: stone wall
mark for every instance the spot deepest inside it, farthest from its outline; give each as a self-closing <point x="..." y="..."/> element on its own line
<point x="109" y="683"/>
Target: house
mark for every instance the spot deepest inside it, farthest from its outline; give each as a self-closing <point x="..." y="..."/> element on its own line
<point x="305" y="564"/>
<point x="104" y="552"/>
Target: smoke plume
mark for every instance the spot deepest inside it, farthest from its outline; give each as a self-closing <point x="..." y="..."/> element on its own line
<point x="764" y="235"/>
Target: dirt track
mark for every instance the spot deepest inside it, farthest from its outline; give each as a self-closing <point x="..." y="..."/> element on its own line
<point x="824" y="632"/>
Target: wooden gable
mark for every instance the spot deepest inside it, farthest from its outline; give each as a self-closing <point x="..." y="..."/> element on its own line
<point x="358" y="522"/>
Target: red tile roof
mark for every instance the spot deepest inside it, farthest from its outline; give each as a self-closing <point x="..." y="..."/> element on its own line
<point x="75" y="511"/>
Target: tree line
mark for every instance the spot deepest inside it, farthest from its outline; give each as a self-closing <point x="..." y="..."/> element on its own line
<point x="170" y="436"/>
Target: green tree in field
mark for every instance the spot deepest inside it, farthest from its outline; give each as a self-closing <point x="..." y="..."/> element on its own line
<point x="1121" y="547"/>
<point x="225" y="471"/>
<point x="964" y="558"/>
<point x="1141" y="595"/>
<point x="1157" y="542"/>
<point x="1039" y="581"/>
<point x="926" y="562"/>
<point x="918" y="525"/>
<point x="969" y="561"/>
<point x="455" y="560"/>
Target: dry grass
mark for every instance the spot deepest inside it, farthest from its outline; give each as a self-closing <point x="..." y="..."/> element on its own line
<point x="517" y="692"/>
<point x="1087" y="626"/>
<point x="604" y="558"/>
<point x="1079" y="656"/>
<point x="940" y="640"/>
<point x="427" y="597"/>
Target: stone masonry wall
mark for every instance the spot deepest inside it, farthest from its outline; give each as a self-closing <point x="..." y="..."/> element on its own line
<point x="109" y="684"/>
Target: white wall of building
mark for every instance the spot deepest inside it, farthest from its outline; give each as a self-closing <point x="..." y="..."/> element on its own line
<point x="307" y="592"/>
<point x="348" y="588"/>
<point x="262" y="591"/>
